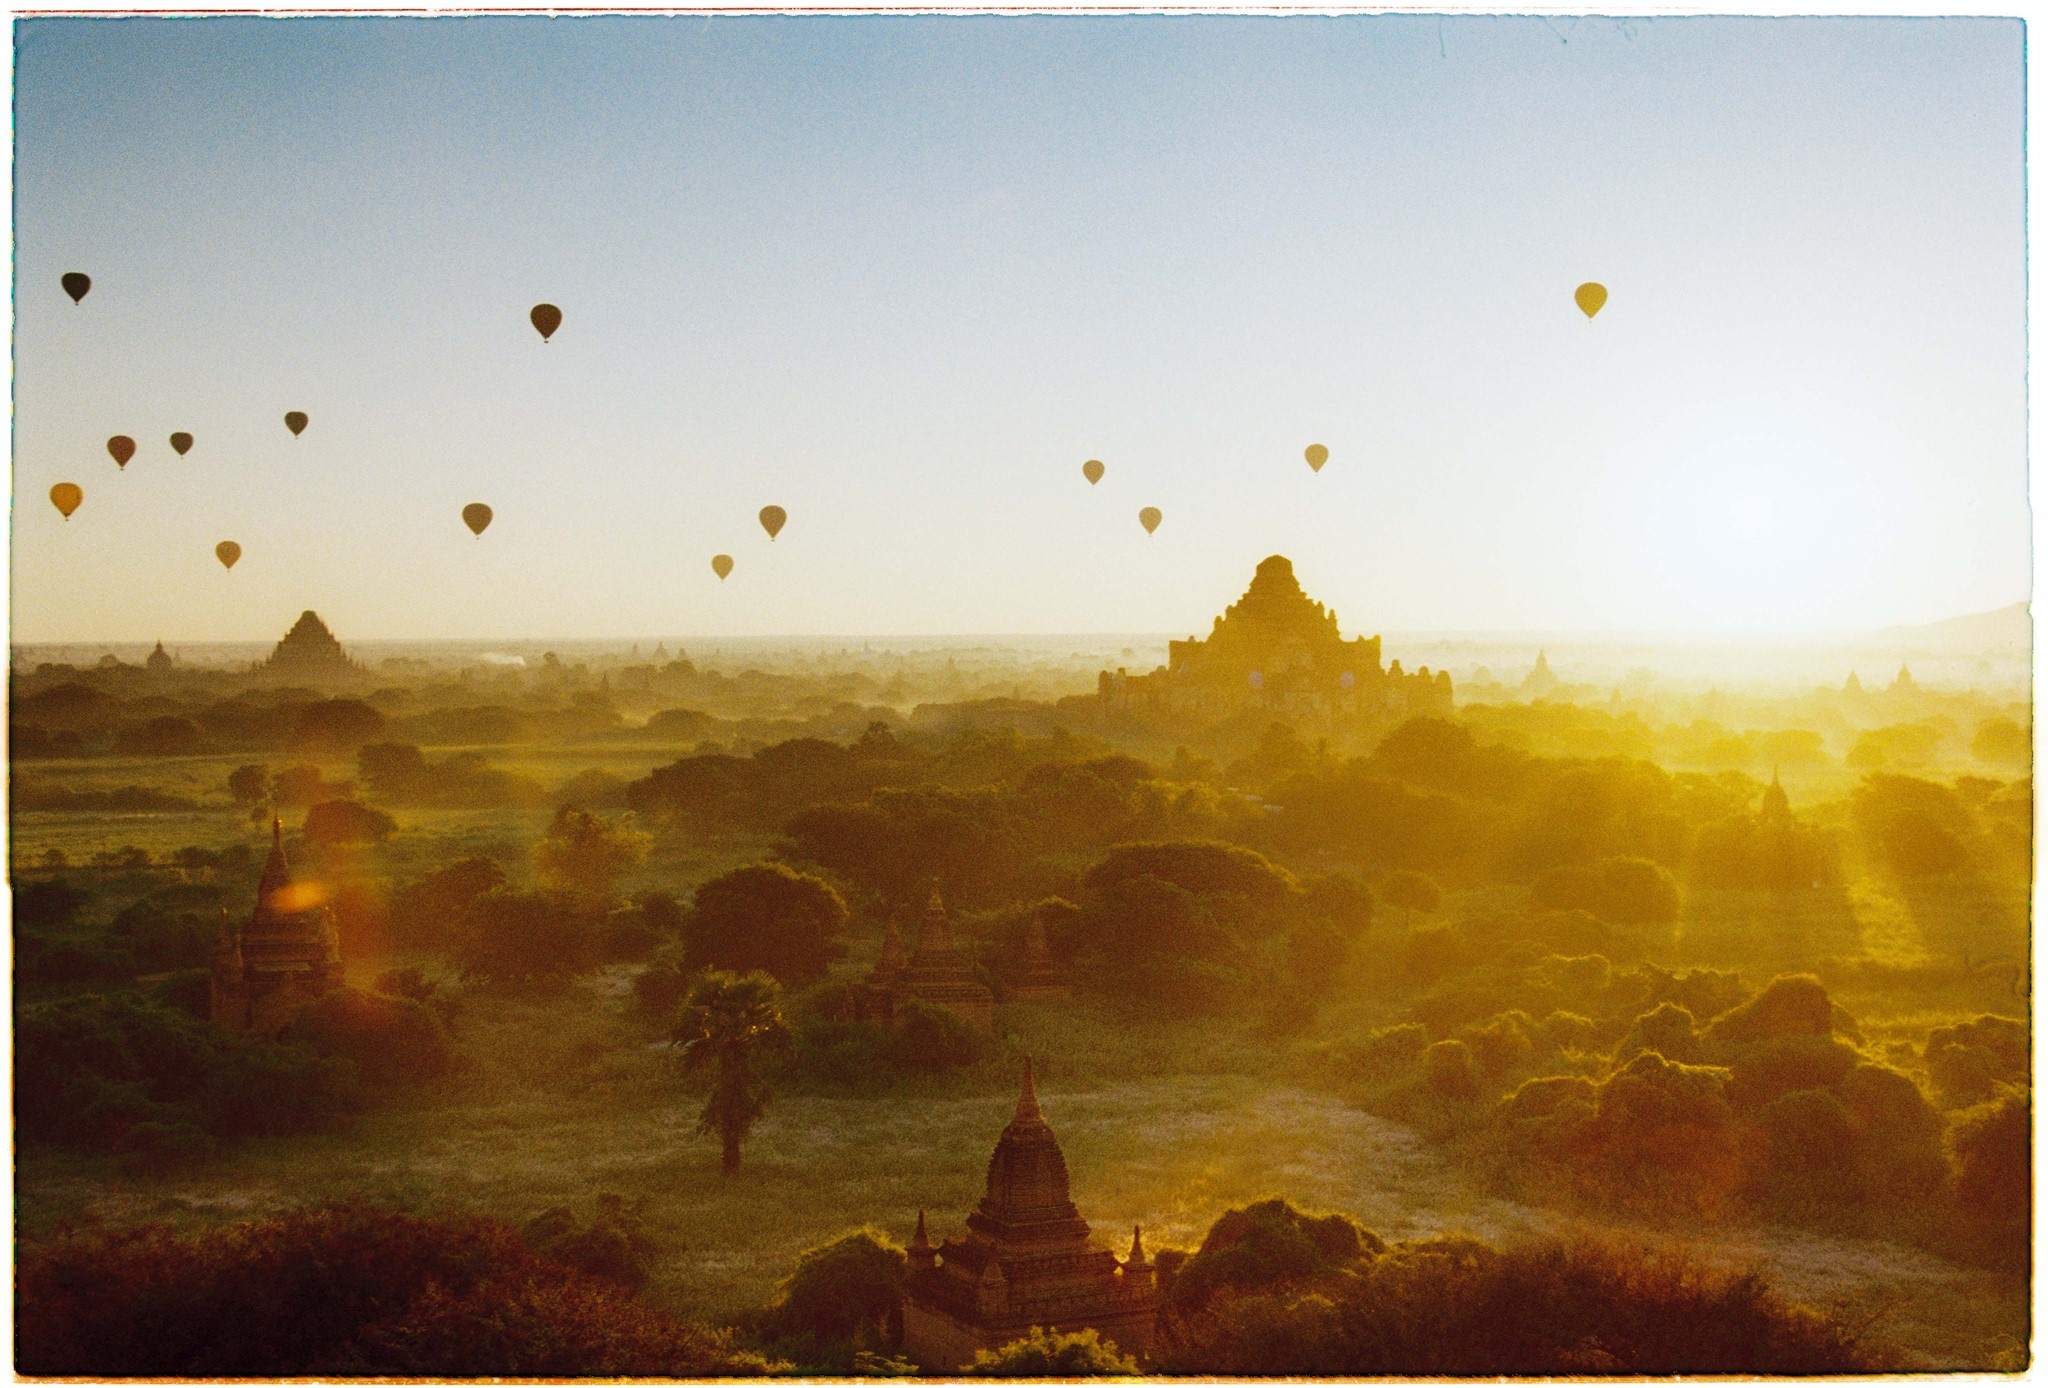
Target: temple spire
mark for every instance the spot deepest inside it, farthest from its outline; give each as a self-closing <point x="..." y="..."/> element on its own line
<point x="1027" y="1101"/>
<point x="1137" y="1261"/>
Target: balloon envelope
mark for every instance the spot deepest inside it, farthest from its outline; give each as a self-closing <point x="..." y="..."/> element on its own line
<point x="721" y="564"/>
<point x="181" y="444"/>
<point x="773" y="518"/>
<point x="122" y="447"/>
<point x="296" y="421"/>
<point x="1150" y="518"/>
<point x="1590" y="297"/>
<point x="1317" y="455"/>
<point x="77" y="285"/>
<point x="65" y="496"/>
<point x="227" y="551"/>
<point x="1092" y="470"/>
<point x="546" y="318"/>
<point x="476" y="516"/>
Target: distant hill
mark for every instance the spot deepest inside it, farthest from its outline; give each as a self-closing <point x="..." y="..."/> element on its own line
<point x="2004" y="628"/>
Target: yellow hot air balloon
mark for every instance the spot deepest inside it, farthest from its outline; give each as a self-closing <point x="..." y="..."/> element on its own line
<point x="721" y="564"/>
<point x="1150" y="518"/>
<point x="1590" y="297"/>
<point x="122" y="447"/>
<point x="181" y="444"/>
<point x="65" y="496"/>
<point x="476" y="516"/>
<point x="773" y="518"/>
<point x="296" y="421"/>
<point x="546" y="318"/>
<point x="1092" y="470"/>
<point x="1317" y="455"/>
<point x="227" y="551"/>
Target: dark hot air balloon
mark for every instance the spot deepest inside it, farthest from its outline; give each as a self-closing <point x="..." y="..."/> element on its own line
<point x="721" y="564"/>
<point x="546" y="318"/>
<point x="1317" y="455"/>
<point x="65" y="496"/>
<point x="296" y="421"/>
<point x="227" y="551"/>
<point x="122" y="447"/>
<point x="1590" y="297"/>
<point x="773" y="518"/>
<point x="77" y="285"/>
<point x="476" y="516"/>
<point x="1092" y="470"/>
<point x="181" y="444"/>
<point x="1150" y="518"/>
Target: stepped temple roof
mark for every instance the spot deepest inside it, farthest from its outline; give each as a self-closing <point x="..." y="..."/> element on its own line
<point x="309" y="645"/>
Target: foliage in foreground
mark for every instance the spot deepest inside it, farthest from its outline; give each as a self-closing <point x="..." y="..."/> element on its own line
<point x="1048" y="1354"/>
<point x="340" y="1290"/>
<point x="1280" y="1293"/>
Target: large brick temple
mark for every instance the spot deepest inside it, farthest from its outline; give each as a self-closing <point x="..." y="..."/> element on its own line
<point x="1028" y="1259"/>
<point x="286" y="956"/>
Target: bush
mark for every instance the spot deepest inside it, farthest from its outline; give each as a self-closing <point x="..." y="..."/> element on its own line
<point x="390" y="1040"/>
<point x="524" y="937"/>
<point x="1620" y="891"/>
<point x="335" y="822"/>
<point x="1052" y="1354"/>
<point x="340" y="1291"/>
<point x="931" y="1038"/>
<point x="1264" y="1247"/>
<point x="843" y="1291"/>
<point x="613" y="1246"/>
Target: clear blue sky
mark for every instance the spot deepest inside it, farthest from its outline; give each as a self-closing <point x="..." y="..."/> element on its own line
<point x="903" y="275"/>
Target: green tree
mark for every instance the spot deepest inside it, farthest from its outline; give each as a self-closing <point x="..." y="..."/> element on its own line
<point x="345" y="821"/>
<point x="586" y="853"/>
<point x="1049" y="1354"/>
<point x="849" y="1286"/>
<point x="765" y="917"/>
<point x="727" y="1022"/>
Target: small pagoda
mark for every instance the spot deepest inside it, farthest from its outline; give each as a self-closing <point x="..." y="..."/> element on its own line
<point x="1037" y="978"/>
<point x="288" y="955"/>
<point x="935" y="972"/>
<point x="1028" y="1259"/>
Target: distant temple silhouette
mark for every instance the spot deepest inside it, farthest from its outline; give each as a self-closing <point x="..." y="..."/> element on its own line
<point x="309" y="648"/>
<point x="288" y="954"/>
<point x="159" y="659"/>
<point x="1028" y="1259"/>
<point x="935" y="973"/>
<point x="1276" y="649"/>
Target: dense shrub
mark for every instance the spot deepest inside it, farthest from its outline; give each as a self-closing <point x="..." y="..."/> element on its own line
<point x="346" y="1291"/>
<point x="1054" y="1354"/>
<point x="525" y="937"/>
<point x="1620" y="891"/>
<point x="335" y="822"/>
<point x="765" y="917"/>
<point x="845" y="1291"/>
<point x="389" y="1039"/>
<point x="925" y="1037"/>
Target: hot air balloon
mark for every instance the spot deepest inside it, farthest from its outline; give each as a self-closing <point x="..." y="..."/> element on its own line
<point x="296" y="421"/>
<point x="1150" y="518"/>
<point x="181" y="444"/>
<point x="122" y="447"/>
<point x="546" y="318"/>
<point x="227" y="551"/>
<point x="1092" y="470"/>
<point x="1590" y="298"/>
<point x="721" y="564"/>
<point x="65" y="496"/>
<point x="773" y="518"/>
<point x="77" y="285"/>
<point x="476" y="516"/>
<point x="1317" y="455"/>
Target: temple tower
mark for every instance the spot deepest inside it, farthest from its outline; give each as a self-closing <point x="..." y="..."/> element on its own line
<point x="1027" y="1259"/>
<point x="288" y="954"/>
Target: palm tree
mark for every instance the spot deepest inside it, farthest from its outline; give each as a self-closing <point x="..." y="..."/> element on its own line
<point x="725" y="1022"/>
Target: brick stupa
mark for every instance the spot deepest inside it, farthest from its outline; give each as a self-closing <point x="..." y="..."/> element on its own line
<point x="935" y="972"/>
<point x="309" y="648"/>
<point x="1028" y="1259"/>
<point x="286" y="956"/>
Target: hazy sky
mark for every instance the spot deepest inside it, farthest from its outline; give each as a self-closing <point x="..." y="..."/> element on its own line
<point x="903" y="275"/>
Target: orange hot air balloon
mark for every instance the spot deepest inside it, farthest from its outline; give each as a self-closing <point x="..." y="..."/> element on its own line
<point x="1317" y="455"/>
<point x="296" y="421"/>
<point x="65" y="496"/>
<point x="77" y="285"/>
<point x="546" y="318"/>
<point x="476" y="516"/>
<point x="1092" y="470"/>
<point x="1150" y="518"/>
<point x="1591" y="298"/>
<point x="181" y="444"/>
<point x="122" y="447"/>
<point x="227" y="551"/>
<point x="773" y="518"/>
<point x="721" y="564"/>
